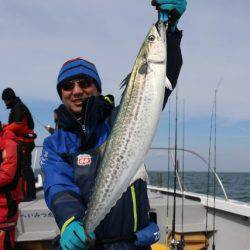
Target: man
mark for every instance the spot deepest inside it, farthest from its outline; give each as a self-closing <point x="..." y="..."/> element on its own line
<point x="83" y="126"/>
<point x="22" y="125"/>
<point x="10" y="189"/>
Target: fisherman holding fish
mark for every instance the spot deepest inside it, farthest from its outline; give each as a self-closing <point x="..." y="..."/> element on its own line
<point x="71" y="158"/>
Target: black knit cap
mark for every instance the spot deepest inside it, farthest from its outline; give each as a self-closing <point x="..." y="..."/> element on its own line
<point x="8" y="94"/>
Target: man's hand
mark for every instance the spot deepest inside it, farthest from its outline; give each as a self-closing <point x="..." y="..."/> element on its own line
<point x="148" y="235"/>
<point x="172" y="9"/>
<point x="74" y="237"/>
<point x="49" y="129"/>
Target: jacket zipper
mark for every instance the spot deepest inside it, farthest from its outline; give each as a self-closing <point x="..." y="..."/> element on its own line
<point x="85" y="117"/>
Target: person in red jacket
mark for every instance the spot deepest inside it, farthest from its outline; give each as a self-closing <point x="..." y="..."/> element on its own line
<point x="22" y="125"/>
<point x="10" y="189"/>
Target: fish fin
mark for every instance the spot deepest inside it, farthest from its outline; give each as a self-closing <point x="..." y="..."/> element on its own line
<point x="113" y="116"/>
<point x="124" y="83"/>
<point x="168" y="84"/>
<point x="141" y="174"/>
<point x="101" y="149"/>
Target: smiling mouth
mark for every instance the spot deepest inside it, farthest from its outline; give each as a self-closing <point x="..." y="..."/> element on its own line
<point x="78" y="102"/>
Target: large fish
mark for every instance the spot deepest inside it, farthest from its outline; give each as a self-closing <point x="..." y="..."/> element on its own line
<point x="134" y="127"/>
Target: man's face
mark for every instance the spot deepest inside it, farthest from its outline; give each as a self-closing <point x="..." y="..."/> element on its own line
<point x="75" y="91"/>
<point x="8" y="103"/>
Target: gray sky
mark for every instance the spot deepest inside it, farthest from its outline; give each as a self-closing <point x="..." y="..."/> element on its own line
<point x="38" y="36"/>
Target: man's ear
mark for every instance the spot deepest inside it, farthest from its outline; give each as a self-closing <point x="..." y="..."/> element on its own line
<point x="96" y="93"/>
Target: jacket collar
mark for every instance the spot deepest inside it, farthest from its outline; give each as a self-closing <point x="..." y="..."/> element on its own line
<point x="67" y="120"/>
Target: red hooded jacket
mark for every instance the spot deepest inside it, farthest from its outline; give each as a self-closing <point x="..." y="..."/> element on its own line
<point x="8" y="168"/>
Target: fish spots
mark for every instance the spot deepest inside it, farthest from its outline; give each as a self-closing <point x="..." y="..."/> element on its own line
<point x="132" y="131"/>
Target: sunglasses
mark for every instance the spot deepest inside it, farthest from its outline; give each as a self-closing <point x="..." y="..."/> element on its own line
<point x="83" y="83"/>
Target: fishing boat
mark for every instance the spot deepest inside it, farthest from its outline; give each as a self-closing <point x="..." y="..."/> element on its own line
<point x="195" y="215"/>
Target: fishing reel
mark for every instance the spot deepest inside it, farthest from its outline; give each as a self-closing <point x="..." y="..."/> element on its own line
<point x="175" y="244"/>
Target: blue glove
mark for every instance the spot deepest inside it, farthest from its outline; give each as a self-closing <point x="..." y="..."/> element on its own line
<point x="148" y="235"/>
<point x="73" y="236"/>
<point x="172" y="8"/>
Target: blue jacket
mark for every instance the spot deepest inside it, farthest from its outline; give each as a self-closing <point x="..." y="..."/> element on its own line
<point x="67" y="187"/>
<point x="64" y="189"/>
<point x="57" y="156"/>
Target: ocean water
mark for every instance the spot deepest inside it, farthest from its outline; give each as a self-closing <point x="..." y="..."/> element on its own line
<point x="237" y="185"/>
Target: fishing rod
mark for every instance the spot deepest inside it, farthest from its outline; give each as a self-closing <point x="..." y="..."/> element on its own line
<point x="203" y="160"/>
<point x="215" y="156"/>
<point x="37" y="120"/>
<point x="174" y="243"/>
<point x="169" y="141"/>
<point x="209" y="165"/>
<point x="213" y="118"/>
<point x="47" y="127"/>
<point x="175" y="161"/>
<point x="183" y="176"/>
<point x="215" y="161"/>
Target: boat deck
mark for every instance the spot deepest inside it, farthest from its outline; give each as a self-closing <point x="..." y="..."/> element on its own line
<point x="36" y="222"/>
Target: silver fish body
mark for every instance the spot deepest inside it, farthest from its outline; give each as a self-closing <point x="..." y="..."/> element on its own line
<point x="133" y="129"/>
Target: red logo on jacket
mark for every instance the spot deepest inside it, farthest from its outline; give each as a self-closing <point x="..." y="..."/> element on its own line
<point x="84" y="160"/>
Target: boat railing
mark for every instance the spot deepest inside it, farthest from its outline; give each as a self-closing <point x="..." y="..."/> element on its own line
<point x="199" y="156"/>
<point x="35" y="155"/>
<point x="36" y="166"/>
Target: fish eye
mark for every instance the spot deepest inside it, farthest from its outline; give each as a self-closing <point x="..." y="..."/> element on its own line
<point x="151" y="38"/>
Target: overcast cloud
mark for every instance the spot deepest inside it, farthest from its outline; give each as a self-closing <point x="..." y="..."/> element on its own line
<point x="37" y="37"/>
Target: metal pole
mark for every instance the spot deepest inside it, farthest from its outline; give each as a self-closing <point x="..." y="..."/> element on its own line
<point x="203" y="160"/>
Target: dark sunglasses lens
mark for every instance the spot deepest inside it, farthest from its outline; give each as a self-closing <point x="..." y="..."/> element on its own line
<point x="68" y="86"/>
<point x="85" y="84"/>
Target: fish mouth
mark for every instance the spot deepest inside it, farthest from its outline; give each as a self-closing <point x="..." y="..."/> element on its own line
<point x="159" y="27"/>
<point x="156" y="61"/>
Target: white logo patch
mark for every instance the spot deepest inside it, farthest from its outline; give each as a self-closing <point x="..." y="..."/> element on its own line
<point x="84" y="160"/>
<point x="157" y="236"/>
<point x="44" y="157"/>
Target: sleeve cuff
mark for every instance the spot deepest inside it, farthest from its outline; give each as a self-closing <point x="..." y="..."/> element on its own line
<point x="66" y="205"/>
<point x="66" y="223"/>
